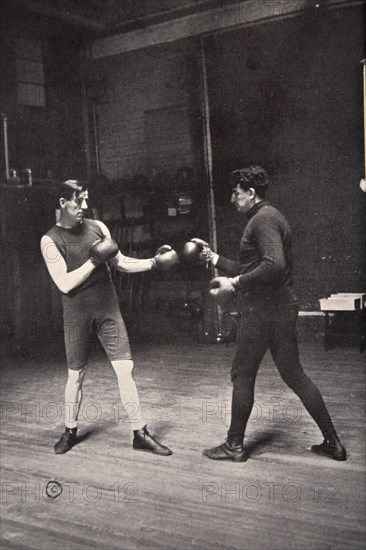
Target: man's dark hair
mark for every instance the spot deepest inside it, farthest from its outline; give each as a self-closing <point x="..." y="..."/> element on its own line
<point x="66" y="189"/>
<point x="253" y="176"/>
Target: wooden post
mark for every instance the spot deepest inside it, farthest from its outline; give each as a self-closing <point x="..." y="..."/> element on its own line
<point x="6" y="149"/>
<point x="362" y="183"/>
<point x="364" y="114"/>
<point x="207" y="147"/>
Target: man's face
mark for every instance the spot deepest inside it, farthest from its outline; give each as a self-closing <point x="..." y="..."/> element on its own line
<point x="242" y="199"/>
<point x="73" y="210"/>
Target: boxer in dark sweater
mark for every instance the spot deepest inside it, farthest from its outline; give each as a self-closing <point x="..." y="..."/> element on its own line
<point x="269" y="309"/>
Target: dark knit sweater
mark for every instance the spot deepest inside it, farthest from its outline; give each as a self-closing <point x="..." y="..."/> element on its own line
<point x="265" y="266"/>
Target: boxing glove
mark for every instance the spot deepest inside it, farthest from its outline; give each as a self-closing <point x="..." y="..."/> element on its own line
<point x="103" y="250"/>
<point x="196" y="251"/>
<point x="165" y="258"/>
<point x="223" y="290"/>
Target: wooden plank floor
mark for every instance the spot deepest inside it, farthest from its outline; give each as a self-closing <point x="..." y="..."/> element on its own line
<point x="283" y="497"/>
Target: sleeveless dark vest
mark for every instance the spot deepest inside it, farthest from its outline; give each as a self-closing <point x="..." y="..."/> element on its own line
<point x="74" y="244"/>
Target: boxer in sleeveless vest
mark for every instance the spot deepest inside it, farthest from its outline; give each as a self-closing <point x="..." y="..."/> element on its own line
<point x="90" y="304"/>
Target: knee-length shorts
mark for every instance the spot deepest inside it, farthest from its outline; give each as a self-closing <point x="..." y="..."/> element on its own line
<point x="94" y="310"/>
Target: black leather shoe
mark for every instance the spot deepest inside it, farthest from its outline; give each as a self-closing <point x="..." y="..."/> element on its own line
<point x="143" y="441"/>
<point x="66" y="441"/>
<point x="227" y="451"/>
<point x="331" y="447"/>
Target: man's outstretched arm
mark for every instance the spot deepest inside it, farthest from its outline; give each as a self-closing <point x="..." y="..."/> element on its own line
<point x="124" y="263"/>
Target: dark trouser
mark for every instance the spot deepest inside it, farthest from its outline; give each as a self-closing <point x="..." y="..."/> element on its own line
<point x="271" y="327"/>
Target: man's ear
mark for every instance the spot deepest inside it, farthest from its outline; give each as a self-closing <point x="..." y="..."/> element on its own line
<point x="62" y="202"/>
<point x="252" y="192"/>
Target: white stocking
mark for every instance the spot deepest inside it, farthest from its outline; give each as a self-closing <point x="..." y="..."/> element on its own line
<point x="128" y="392"/>
<point x="73" y="396"/>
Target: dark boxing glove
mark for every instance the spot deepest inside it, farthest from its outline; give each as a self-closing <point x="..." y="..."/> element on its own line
<point x="223" y="290"/>
<point x="103" y="250"/>
<point x="165" y="258"/>
<point x="196" y="251"/>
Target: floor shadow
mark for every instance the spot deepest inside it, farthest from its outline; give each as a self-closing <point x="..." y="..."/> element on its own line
<point x="160" y="429"/>
<point x="156" y="429"/>
<point x="83" y="435"/>
<point x="258" y="442"/>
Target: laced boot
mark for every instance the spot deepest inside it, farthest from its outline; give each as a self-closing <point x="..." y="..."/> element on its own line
<point x="331" y="447"/>
<point x="231" y="449"/>
<point x="143" y="441"/>
<point x="66" y="441"/>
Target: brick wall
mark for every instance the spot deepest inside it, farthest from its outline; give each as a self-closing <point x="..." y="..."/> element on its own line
<point x="140" y="93"/>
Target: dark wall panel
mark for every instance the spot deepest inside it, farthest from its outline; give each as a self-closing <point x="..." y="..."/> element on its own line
<point x="47" y="138"/>
<point x="288" y="95"/>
